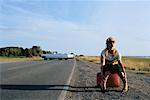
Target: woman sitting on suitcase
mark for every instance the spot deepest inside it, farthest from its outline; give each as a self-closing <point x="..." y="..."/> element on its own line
<point x="111" y="62"/>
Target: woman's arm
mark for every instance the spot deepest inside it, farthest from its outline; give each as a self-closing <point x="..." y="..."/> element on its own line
<point x="102" y="63"/>
<point x="122" y="66"/>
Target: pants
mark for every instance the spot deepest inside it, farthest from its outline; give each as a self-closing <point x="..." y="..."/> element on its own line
<point x="112" y="68"/>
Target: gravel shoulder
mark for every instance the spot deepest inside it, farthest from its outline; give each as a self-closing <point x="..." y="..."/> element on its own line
<point x="83" y="85"/>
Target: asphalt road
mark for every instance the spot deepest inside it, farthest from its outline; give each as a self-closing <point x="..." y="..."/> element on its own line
<point x="34" y="80"/>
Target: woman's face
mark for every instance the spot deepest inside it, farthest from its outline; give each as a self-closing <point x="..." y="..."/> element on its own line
<point x="110" y="45"/>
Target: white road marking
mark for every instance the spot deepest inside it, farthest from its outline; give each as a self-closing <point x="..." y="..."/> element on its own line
<point x="63" y="93"/>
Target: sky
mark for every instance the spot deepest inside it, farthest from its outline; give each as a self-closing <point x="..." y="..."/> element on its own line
<point x="78" y="26"/>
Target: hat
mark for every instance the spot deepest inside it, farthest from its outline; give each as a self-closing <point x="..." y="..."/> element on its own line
<point x="110" y="39"/>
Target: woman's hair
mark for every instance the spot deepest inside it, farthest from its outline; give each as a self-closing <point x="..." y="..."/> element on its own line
<point x="110" y="39"/>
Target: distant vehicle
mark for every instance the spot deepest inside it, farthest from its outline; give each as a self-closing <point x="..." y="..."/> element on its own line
<point x="57" y="56"/>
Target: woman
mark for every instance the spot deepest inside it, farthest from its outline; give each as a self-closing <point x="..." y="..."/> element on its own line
<point x="111" y="62"/>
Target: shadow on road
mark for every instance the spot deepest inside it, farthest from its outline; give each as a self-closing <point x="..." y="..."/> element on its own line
<point x="53" y="87"/>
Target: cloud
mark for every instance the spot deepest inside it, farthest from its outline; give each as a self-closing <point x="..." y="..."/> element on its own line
<point x="13" y="9"/>
<point x="4" y="29"/>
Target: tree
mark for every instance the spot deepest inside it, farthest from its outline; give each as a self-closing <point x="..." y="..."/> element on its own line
<point x="36" y="50"/>
<point x="28" y="52"/>
<point x="19" y="51"/>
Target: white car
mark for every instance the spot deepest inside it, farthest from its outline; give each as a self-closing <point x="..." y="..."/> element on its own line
<point x="57" y="56"/>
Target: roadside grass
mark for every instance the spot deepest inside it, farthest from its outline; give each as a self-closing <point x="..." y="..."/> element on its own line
<point x="140" y="64"/>
<point x="139" y="72"/>
<point x="15" y="59"/>
<point x="94" y="59"/>
<point x="134" y="64"/>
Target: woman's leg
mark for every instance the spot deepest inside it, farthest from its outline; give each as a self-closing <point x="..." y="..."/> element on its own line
<point x="106" y="75"/>
<point x="124" y="80"/>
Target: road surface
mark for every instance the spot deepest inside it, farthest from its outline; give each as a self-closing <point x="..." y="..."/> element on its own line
<point x="34" y="80"/>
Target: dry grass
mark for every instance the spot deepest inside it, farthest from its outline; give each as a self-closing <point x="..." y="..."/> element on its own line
<point x="138" y="64"/>
<point x="15" y="59"/>
<point x="141" y="64"/>
<point x="94" y="59"/>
